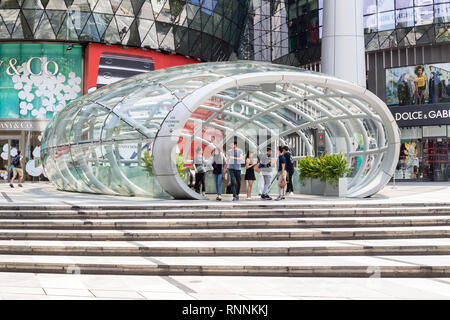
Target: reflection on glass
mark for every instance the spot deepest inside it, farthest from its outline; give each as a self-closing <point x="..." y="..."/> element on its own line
<point x="405" y="18"/>
<point x="423" y="15"/>
<point x="386" y="21"/>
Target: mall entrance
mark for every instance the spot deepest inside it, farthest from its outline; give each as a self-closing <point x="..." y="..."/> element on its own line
<point x="29" y="143"/>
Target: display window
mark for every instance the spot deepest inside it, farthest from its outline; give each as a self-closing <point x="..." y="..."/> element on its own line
<point x="424" y="159"/>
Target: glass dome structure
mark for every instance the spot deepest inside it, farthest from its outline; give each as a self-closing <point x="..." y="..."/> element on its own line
<point x="98" y="143"/>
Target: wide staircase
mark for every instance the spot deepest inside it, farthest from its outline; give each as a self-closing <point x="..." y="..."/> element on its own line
<point x="247" y="238"/>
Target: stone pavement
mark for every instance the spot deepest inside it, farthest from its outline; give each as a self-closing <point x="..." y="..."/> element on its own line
<point x="45" y="193"/>
<point x="42" y="286"/>
<point x="395" y="245"/>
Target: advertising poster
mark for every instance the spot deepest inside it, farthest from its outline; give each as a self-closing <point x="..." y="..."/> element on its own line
<point x="106" y="64"/>
<point x="37" y="80"/>
<point x="414" y="85"/>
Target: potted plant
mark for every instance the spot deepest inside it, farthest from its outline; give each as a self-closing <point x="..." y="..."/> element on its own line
<point x="310" y="176"/>
<point x="335" y="167"/>
<point x="181" y="168"/>
<point x="317" y="177"/>
<point x="147" y="163"/>
<point x="304" y="173"/>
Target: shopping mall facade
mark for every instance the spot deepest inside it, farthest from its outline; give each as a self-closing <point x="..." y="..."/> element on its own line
<point x="54" y="51"/>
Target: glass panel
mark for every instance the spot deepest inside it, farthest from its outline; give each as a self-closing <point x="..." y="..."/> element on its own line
<point x="386" y="21"/>
<point x="400" y="4"/>
<point x="442" y="13"/>
<point x="423" y="15"/>
<point x="385" y="5"/>
<point x="405" y="18"/>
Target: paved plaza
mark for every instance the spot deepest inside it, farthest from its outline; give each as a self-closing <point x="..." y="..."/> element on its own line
<point x="45" y="193"/>
<point x="52" y="250"/>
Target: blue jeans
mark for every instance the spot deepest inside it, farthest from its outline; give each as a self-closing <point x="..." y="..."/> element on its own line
<point x="218" y="183"/>
<point x="235" y="181"/>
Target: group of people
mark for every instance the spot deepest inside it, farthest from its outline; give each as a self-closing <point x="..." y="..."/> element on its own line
<point x="232" y="161"/>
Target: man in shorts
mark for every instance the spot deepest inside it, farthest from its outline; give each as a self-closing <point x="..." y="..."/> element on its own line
<point x="17" y="163"/>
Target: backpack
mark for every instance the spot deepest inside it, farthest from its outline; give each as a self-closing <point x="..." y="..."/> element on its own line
<point x="16" y="161"/>
<point x="289" y="161"/>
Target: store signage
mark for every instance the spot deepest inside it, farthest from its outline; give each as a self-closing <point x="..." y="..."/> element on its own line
<point x="421" y="115"/>
<point x="37" y="80"/>
<point x="12" y="68"/>
<point x="22" y="125"/>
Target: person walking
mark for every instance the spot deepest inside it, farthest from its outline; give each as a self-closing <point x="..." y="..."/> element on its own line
<point x="281" y="174"/>
<point x="250" y="163"/>
<point x="200" y="171"/>
<point x="289" y="170"/>
<point x="17" y="164"/>
<point x="234" y="158"/>
<point x="266" y="170"/>
<point x="218" y="164"/>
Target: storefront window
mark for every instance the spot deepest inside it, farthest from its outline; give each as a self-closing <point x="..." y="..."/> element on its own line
<point x="424" y="154"/>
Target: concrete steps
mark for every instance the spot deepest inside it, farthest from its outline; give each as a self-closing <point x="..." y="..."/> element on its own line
<point x="224" y="223"/>
<point x="222" y="248"/>
<point x="36" y="212"/>
<point x="334" y="240"/>
<point x="254" y="266"/>
<point x="229" y="234"/>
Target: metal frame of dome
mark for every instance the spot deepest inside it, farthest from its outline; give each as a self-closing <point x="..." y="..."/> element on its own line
<point x="281" y="98"/>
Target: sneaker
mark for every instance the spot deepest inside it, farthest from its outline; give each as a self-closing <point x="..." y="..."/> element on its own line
<point x="278" y="199"/>
<point x="291" y="193"/>
<point x="11" y="185"/>
<point x="219" y="198"/>
<point x="249" y="198"/>
<point x="235" y="199"/>
<point x="20" y="185"/>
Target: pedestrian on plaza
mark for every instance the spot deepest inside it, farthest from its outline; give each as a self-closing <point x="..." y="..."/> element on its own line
<point x="235" y="156"/>
<point x="200" y="171"/>
<point x="266" y="170"/>
<point x="17" y="165"/>
<point x="218" y="161"/>
<point x="250" y="163"/>
<point x="289" y="170"/>
<point x="281" y="174"/>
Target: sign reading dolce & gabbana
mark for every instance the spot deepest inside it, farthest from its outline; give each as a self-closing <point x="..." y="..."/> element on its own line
<point x="421" y="115"/>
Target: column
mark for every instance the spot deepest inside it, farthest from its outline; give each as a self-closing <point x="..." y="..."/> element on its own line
<point x="343" y="50"/>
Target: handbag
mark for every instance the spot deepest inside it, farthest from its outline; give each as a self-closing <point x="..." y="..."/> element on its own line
<point x="282" y="183"/>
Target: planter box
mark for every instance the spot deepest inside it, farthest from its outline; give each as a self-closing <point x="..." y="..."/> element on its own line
<point x="317" y="187"/>
<point x="305" y="189"/>
<point x="336" y="191"/>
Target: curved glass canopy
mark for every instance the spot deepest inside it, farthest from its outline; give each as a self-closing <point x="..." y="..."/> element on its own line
<point x="97" y="144"/>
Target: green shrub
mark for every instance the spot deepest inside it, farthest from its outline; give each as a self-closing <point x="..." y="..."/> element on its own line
<point x="181" y="166"/>
<point x="147" y="163"/>
<point x="308" y="168"/>
<point x="334" y="166"/>
<point x="329" y="167"/>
